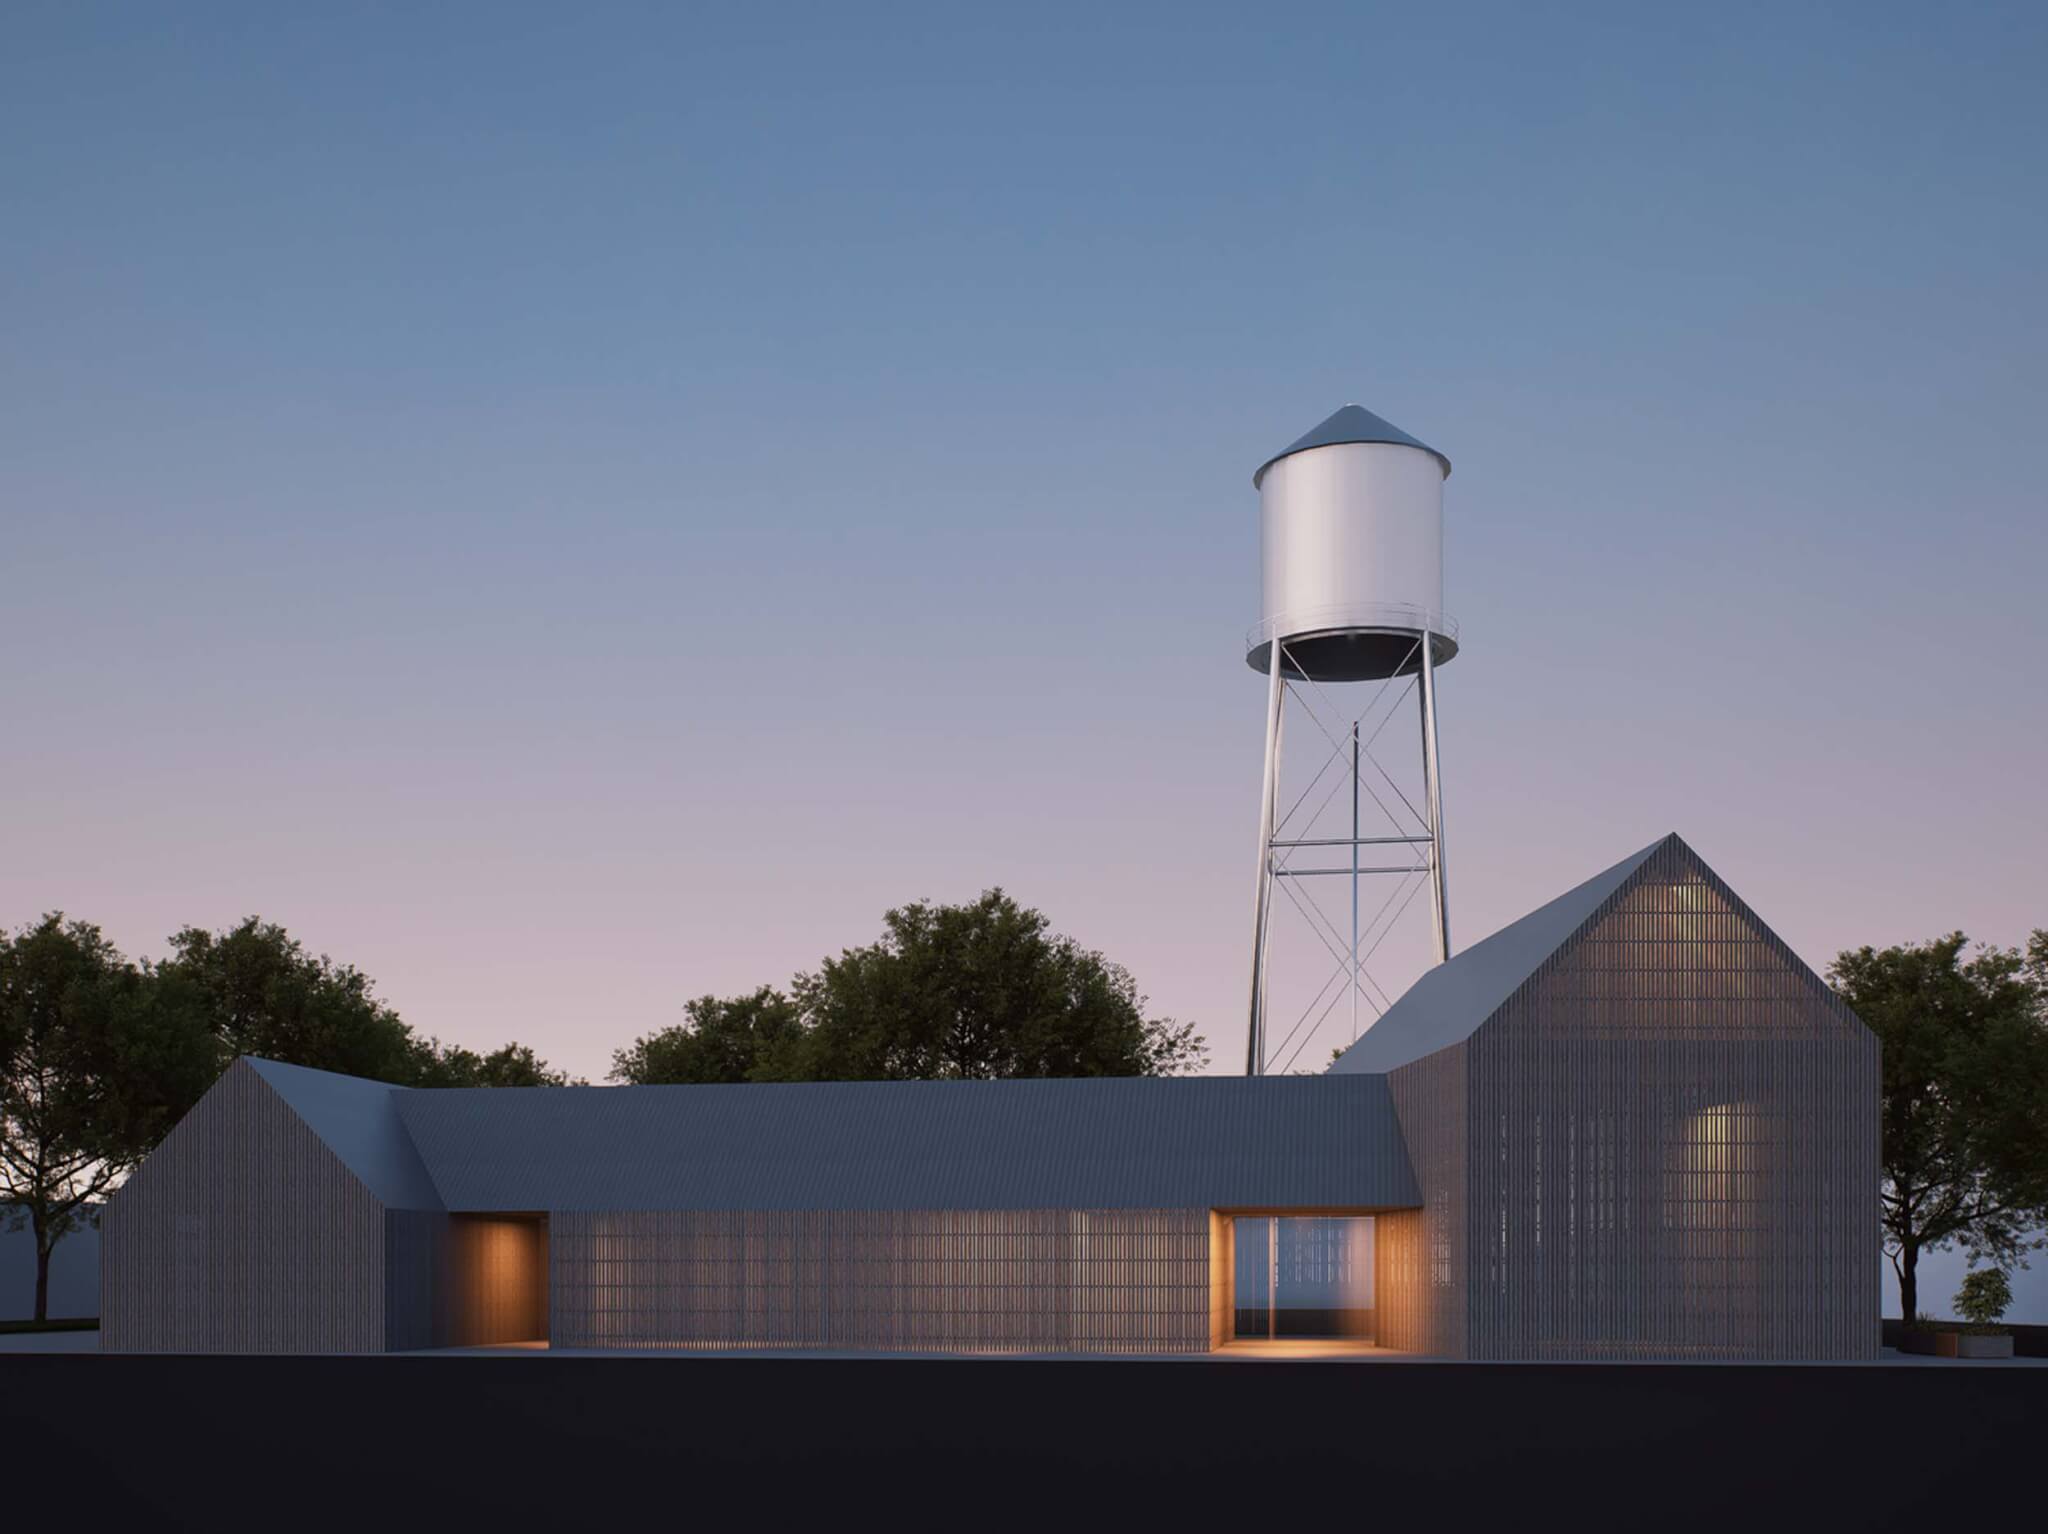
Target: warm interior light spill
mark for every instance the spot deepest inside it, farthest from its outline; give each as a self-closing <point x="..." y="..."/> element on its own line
<point x="1302" y="1277"/>
<point x="498" y="1279"/>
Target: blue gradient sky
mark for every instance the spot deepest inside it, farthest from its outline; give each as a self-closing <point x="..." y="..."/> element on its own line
<point x="570" y="508"/>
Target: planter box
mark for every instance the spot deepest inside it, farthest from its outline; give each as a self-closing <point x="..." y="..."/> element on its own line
<point x="1934" y="1344"/>
<point x="1956" y="1344"/>
<point x="1973" y="1345"/>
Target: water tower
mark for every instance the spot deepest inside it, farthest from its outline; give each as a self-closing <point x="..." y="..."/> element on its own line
<point x="1351" y="535"/>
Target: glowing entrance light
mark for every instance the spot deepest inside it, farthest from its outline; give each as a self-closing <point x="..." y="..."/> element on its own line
<point x="1303" y="1276"/>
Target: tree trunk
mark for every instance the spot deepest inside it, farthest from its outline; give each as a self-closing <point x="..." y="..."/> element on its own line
<point x="1909" y="1284"/>
<point x="42" y="1271"/>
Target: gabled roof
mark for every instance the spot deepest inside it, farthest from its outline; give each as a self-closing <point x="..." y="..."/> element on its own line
<point x="1449" y="1003"/>
<point x="1099" y="1143"/>
<point x="1353" y="423"/>
<point x="358" y="1121"/>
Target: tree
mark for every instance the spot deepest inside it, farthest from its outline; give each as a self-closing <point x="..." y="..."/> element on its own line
<point x="512" y="1065"/>
<point x="742" y="1038"/>
<point x="99" y="1057"/>
<point x="1965" y="1096"/>
<point x="976" y="991"/>
<point x="967" y="991"/>
<point x="261" y="993"/>
<point x="1984" y="1296"/>
<point x="94" y="1067"/>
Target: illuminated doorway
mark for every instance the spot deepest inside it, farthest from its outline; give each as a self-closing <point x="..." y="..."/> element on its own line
<point x="496" y="1284"/>
<point x="1305" y="1276"/>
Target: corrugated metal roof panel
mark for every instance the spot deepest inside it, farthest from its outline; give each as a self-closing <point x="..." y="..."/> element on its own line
<point x="1101" y="1143"/>
<point x="1450" y="1002"/>
<point x="357" y="1120"/>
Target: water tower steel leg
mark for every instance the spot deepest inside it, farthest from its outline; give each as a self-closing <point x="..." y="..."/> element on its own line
<point x="1438" y="895"/>
<point x="1272" y="874"/>
<point x="1354" y="881"/>
<point x="1255" y="1047"/>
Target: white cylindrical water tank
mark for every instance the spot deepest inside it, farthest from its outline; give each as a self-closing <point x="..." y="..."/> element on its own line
<point x="1351" y="529"/>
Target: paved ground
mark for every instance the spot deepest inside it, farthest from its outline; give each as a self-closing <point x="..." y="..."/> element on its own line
<point x="1292" y="1352"/>
<point x="127" y="1441"/>
<point x="1236" y="1353"/>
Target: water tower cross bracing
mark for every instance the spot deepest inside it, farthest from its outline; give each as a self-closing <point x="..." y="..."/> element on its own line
<point x="1351" y="535"/>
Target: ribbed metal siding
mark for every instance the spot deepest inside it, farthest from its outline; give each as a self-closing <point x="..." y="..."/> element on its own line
<point x="1403" y="1316"/>
<point x="416" y="1254"/>
<point x="1117" y="1281"/>
<point x="1671" y="1143"/>
<point x="242" y="1233"/>
<point x="1422" y="1256"/>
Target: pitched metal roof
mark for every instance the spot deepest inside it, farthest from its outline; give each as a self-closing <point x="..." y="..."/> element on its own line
<point x="1449" y="1003"/>
<point x="357" y="1120"/>
<point x="1353" y="423"/>
<point x="1099" y="1143"/>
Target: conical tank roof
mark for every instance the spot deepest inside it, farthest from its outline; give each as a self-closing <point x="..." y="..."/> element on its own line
<point x="1354" y="423"/>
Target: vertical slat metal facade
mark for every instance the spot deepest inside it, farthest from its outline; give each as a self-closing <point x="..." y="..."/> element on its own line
<point x="1670" y="1144"/>
<point x="1422" y="1254"/>
<point x="415" y="1279"/>
<point x="243" y="1233"/>
<point x="1115" y="1281"/>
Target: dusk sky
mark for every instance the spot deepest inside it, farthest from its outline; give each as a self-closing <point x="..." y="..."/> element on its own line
<point x="570" y="508"/>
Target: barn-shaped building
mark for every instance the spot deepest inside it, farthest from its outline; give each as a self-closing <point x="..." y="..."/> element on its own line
<point x="1641" y="1127"/>
<point x="1632" y="1124"/>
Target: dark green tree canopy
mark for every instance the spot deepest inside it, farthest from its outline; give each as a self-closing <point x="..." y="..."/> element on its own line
<point x="100" y="1057"/>
<point x="972" y="991"/>
<point x="261" y="993"/>
<point x="94" y="1068"/>
<point x="981" y="991"/>
<point x="744" y="1038"/>
<point x="511" y="1065"/>
<point x="1965" y="1095"/>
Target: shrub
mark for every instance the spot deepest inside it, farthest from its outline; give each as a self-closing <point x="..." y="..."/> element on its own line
<point x="1985" y="1294"/>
